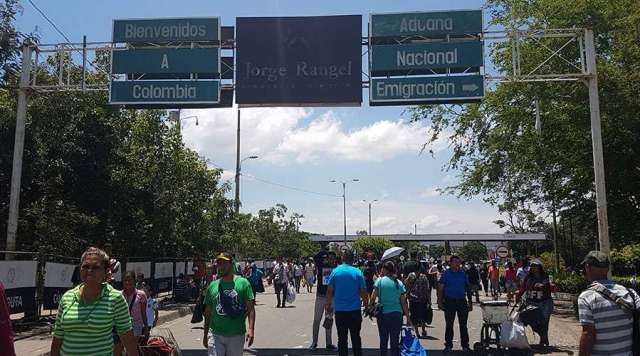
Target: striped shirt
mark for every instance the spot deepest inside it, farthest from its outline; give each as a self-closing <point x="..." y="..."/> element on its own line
<point x="85" y="329"/>
<point x="613" y="327"/>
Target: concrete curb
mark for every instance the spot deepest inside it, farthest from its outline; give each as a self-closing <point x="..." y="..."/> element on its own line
<point x="174" y="314"/>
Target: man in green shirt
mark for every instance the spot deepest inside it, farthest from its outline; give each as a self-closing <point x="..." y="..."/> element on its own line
<point x="228" y="301"/>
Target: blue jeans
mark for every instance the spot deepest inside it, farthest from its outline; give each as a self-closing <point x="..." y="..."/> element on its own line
<point x="389" y="327"/>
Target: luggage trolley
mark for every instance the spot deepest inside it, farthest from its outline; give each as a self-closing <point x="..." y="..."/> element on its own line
<point x="494" y="312"/>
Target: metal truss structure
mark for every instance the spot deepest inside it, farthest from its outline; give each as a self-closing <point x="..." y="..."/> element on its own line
<point x="571" y="50"/>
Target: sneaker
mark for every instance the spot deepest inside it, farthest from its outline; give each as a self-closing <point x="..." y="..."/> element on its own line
<point x="313" y="347"/>
<point x="447" y="349"/>
<point x="466" y="349"/>
<point x="331" y="348"/>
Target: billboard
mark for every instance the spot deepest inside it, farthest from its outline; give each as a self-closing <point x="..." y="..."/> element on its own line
<point x="299" y="61"/>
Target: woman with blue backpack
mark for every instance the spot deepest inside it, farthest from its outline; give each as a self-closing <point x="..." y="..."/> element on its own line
<point x="392" y="304"/>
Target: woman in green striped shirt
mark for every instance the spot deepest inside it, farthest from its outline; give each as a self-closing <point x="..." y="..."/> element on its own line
<point x="88" y="313"/>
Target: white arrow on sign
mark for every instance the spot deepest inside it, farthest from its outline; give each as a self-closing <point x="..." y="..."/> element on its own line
<point x="469" y="87"/>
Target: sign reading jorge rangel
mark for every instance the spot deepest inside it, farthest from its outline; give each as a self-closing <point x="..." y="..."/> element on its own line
<point x="203" y="29"/>
<point x="299" y="61"/>
<point x="426" y="23"/>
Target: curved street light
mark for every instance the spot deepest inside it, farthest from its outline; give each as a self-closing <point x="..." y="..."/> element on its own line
<point x="238" y="170"/>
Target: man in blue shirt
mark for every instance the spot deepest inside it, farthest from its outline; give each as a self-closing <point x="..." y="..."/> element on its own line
<point x="452" y="291"/>
<point x="346" y="288"/>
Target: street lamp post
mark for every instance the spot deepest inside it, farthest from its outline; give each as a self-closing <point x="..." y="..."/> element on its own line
<point x="238" y="170"/>
<point x="344" y="205"/>
<point x="370" y="202"/>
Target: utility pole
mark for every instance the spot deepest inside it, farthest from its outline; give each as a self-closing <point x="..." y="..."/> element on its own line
<point x="556" y="257"/>
<point x="344" y="204"/>
<point x="596" y="140"/>
<point x="415" y="229"/>
<point x="237" y="201"/>
<point x="18" y="152"/>
<point x="369" y="219"/>
<point x="370" y="203"/>
<point x="344" y="210"/>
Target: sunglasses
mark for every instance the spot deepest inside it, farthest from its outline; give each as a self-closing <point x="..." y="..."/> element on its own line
<point x="91" y="268"/>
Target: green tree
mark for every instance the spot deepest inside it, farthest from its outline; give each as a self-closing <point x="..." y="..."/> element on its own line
<point x="436" y="251"/>
<point x="474" y="251"/>
<point x="374" y="244"/>
<point x="500" y="155"/>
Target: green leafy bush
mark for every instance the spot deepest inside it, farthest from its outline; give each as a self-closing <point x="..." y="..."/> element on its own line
<point x="571" y="283"/>
<point x="626" y="259"/>
<point x="374" y="244"/>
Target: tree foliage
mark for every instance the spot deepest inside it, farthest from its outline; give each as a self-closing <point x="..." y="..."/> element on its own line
<point x="375" y="244"/>
<point x="94" y="173"/>
<point x="473" y="251"/>
<point x="500" y="155"/>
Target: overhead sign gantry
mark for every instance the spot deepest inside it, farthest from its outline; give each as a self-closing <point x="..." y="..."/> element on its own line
<point x="426" y="57"/>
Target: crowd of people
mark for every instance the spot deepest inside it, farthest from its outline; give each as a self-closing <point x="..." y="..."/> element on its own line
<point x="96" y="318"/>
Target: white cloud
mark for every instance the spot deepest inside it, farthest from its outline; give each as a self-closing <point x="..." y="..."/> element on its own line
<point x="276" y="136"/>
<point x="399" y="217"/>
<point x="430" y="192"/>
<point x="228" y="174"/>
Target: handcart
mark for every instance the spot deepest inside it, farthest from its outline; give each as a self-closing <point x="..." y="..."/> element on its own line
<point x="494" y="312"/>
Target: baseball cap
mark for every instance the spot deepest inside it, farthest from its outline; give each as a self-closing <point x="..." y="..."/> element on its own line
<point x="224" y="256"/>
<point x="596" y="259"/>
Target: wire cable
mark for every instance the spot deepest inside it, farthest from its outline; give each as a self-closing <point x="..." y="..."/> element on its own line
<point x="277" y="184"/>
<point x="291" y="188"/>
<point x="63" y="34"/>
<point x="49" y="21"/>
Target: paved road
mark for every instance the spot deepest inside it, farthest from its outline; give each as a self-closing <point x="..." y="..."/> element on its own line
<point x="288" y="332"/>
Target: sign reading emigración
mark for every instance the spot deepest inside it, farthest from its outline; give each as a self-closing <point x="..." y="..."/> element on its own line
<point x="165" y="91"/>
<point x="414" y="90"/>
<point x="205" y="29"/>
<point x="299" y="61"/>
<point x="426" y="23"/>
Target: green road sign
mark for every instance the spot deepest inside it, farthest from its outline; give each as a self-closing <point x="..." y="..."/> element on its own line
<point x="404" y="57"/>
<point x="167" y="30"/>
<point x="166" y="60"/>
<point x="420" y="90"/>
<point x="165" y="92"/>
<point x="426" y="23"/>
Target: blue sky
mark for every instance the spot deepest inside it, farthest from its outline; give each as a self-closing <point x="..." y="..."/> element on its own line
<point x="305" y="147"/>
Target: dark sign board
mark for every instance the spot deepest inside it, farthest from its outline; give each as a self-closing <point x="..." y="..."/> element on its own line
<point x="167" y="30"/>
<point x="299" y="61"/>
<point x="426" y="23"/>
<point x="21" y="299"/>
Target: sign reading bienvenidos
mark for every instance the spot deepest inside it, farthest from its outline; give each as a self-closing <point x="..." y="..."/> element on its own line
<point x="299" y="61"/>
<point x="167" y="30"/>
<point x="421" y="47"/>
<point x="162" y="57"/>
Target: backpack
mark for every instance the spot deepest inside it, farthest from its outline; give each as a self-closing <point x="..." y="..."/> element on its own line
<point x="230" y="303"/>
<point x="630" y="309"/>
